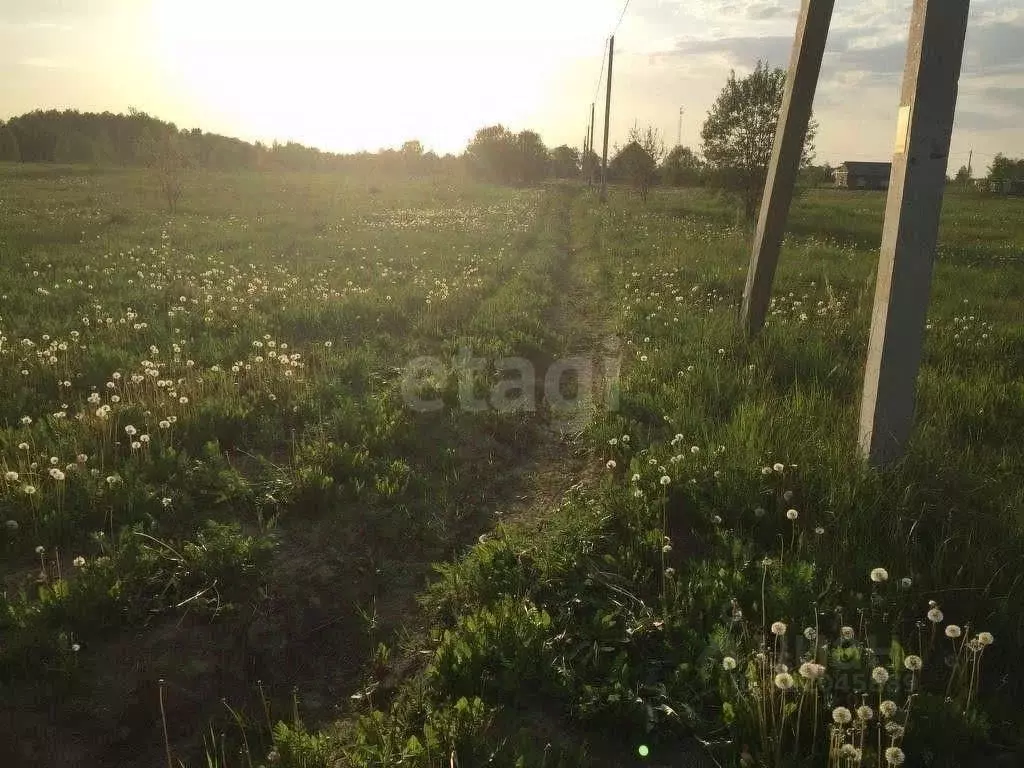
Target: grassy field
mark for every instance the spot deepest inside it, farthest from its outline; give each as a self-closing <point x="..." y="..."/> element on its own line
<point x="215" y="488"/>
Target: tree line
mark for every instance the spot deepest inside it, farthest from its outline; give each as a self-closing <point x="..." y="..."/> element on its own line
<point x="104" y="139"/>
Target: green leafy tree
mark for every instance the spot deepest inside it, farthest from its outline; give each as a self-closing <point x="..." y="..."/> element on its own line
<point x="9" y="151"/>
<point x="496" y="154"/>
<point x="637" y="162"/>
<point x="634" y="165"/>
<point x="565" y="162"/>
<point x="739" y="132"/>
<point x="491" y="154"/>
<point x="682" y="168"/>
<point x="963" y="177"/>
<point x="1005" y="169"/>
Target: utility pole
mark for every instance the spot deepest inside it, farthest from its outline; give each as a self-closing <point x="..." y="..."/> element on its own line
<point x="607" y="115"/>
<point x="798" y="95"/>
<point x="590" y="148"/>
<point x="970" y="156"/>
<point x="679" y="134"/>
<point x="921" y="152"/>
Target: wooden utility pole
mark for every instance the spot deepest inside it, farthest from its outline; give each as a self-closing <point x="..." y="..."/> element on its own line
<point x="590" y="148"/>
<point x="607" y="115"/>
<point x="801" y="81"/>
<point x="910" y="232"/>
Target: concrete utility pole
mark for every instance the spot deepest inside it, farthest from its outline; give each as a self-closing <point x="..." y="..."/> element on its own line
<point x="607" y="114"/>
<point x="801" y="80"/>
<point x="927" y="104"/>
<point x="679" y="132"/>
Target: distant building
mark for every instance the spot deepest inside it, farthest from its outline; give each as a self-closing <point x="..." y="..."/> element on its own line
<point x="857" y="175"/>
<point x="1006" y="187"/>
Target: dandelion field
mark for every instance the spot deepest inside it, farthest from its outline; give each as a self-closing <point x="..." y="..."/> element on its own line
<point x="213" y="487"/>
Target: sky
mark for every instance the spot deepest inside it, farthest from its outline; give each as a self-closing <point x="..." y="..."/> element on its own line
<point x="350" y="75"/>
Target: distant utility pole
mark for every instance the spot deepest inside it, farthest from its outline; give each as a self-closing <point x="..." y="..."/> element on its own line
<point x="679" y="134"/>
<point x="607" y="115"/>
<point x="590" y="148"/>
<point x="970" y="156"/>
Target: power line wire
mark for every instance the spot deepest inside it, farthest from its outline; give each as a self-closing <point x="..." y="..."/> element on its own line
<point x="621" y="17"/>
<point x="600" y="76"/>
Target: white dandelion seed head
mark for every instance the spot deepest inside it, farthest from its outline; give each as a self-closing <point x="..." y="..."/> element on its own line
<point x="913" y="663"/>
<point x="846" y="633"/>
<point x="611" y="464"/>
<point x="953" y="631"/>
<point x="665" y="480"/>
<point x="986" y="638"/>
<point x="894" y="756"/>
<point x="792" y="514"/>
<point x="78" y="562"/>
<point x="878" y="575"/>
<point x="778" y="467"/>
<point x="935" y="615"/>
<point x="728" y="663"/>
<point x="887" y="708"/>
<point x="865" y="713"/>
<point x="841" y="715"/>
<point x="880" y="675"/>
<point x="783" y="681"/>
<point x="779" y="628"/>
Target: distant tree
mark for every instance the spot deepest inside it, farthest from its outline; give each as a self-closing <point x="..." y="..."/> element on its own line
<point x="496" y="154"/>
<point x="739" y="132"/>
<point x="637" y="162"/>
<point x="9" y="151"/>
<point x="682" y="168"/>
<point x="817" y="175"/>
<point x="565" y="162"/>
<point x="1004" y="169"/>
<point x="532" y="159"/>
<point x="963" y="177"/>
<point x="634" y="165"/>
<point x="73" y="147"/>
<point x="491" y="154"/>
<point x="166" y="154"/>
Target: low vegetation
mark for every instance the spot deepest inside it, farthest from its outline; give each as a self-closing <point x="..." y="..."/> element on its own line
<point x="716" y="578"/>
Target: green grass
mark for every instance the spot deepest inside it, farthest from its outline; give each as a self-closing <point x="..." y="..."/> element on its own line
<point x="611" y="631"/>
<point x="285" y="501"/>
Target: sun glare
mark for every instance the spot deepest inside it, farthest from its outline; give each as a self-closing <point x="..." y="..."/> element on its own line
<point x="365" y="75"/>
